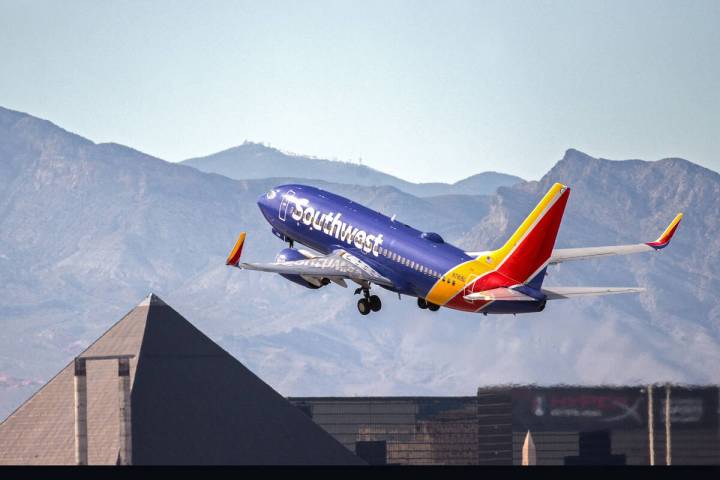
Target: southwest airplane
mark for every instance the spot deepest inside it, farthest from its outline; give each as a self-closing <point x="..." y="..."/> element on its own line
<point x="359" y="244"/>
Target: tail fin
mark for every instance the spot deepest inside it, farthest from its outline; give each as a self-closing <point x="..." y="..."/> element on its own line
<point x="525" y="256"/>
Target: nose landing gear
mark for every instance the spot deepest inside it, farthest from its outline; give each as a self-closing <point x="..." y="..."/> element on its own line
<point x="368" y="303"/>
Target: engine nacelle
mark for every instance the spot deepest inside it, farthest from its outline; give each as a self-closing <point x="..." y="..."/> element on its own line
<point x="291" y="254"/>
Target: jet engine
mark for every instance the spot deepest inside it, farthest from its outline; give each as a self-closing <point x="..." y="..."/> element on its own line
<point x="291" y="254"/>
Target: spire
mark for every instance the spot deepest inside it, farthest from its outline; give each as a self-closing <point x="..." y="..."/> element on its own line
<point x="529" y="457"/>
<point x="152" y="299"/>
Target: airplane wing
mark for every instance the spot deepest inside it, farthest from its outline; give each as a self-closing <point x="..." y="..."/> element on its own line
<point x="557" y="293"/>
<point x="560" y="255"/>
<point x="566" y="254"/>
<point x="336" y="266"/>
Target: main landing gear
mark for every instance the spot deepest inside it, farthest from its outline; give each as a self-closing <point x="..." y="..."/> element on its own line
<point x="369" y="303"/>
<point x="424" y="304"/>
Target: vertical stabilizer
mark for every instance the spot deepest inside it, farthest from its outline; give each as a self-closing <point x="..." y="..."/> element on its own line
<point x="526" y="254"/>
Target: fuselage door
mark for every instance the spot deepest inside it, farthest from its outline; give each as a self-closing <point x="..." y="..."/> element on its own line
<point x="282" y="211"/>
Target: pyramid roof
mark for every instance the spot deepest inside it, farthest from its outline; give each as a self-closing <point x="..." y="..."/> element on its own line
<point x="192" y="403"/>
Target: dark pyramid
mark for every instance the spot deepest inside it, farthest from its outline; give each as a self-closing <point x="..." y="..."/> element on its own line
<point x="192" y="403"/>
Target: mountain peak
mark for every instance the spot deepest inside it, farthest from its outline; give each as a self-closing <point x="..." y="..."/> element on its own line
<point x="574" y="158"/>
<point x="252" y="160"/>
<point x="23" y="126"/>
<point x="572" y="154"/>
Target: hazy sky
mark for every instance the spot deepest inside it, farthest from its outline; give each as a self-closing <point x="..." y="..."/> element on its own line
<point x="423" y="90"/>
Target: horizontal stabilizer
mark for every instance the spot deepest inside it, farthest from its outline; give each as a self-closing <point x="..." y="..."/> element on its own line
<point x="557" y="293"/>
<point x="501" y="293"/>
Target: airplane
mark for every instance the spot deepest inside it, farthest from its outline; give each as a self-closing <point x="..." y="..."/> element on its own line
<point x="352" y="242"/>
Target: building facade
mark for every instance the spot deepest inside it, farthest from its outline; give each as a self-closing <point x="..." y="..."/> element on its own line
<point x="568" y="425"/>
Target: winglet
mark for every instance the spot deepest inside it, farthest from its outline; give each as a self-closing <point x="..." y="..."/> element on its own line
<point x="664" y="239"/>
<point x="234" y="257"/>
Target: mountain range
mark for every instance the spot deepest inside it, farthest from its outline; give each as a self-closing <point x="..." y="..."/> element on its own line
<point x="255" y="160"/>
<point x="87" y="230"/>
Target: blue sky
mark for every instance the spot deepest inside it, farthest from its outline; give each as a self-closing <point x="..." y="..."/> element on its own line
<point x="423" y="90"/>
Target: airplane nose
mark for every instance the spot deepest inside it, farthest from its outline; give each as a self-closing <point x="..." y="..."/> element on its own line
<point x="265" y="203"/>
<point x="262" y="204"/>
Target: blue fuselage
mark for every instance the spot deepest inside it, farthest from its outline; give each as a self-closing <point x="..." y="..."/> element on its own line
<point x="325" y="222"/>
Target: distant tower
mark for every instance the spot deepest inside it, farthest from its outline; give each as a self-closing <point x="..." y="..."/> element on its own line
<point x="529" y="456"/>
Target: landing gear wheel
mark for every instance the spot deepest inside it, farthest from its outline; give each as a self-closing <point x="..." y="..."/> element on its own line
<point x="363" y="306"/>
<point x="432" y="307"/>
<point x="422" y="303"/>
<point x="375" y="303"/>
